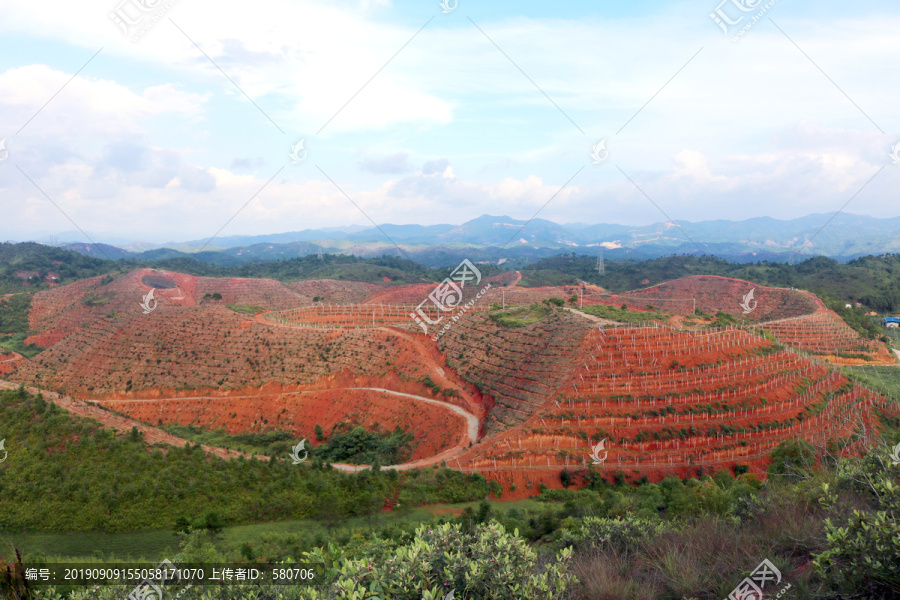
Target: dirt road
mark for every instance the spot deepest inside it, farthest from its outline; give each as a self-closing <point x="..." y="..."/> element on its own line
<point x="592" y="317"/>
<point x="152" y="435"/>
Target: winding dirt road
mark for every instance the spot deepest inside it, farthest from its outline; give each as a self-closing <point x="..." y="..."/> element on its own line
<point x="92" y="409"/>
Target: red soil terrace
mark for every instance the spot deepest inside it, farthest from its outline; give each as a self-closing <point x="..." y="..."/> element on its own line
<point x="287" y="408"/>
<point x="666" y="401"/>
<point x="670" y="402"/>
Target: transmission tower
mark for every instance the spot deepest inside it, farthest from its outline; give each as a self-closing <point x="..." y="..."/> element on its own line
<point x="601" y="268"/>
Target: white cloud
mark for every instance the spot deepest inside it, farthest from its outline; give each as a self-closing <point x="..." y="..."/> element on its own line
<point x="745" y="129"/>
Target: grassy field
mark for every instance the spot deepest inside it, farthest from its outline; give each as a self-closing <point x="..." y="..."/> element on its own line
<point x="150" y="545"/>
<point x="520" y="316"/>
<point x="622" y="315"/>
<point x="267" y="442"/>
<point x="246" y="309"/>
<point x="884" y="378"/>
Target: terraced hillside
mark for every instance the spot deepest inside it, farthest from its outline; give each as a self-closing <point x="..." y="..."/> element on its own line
<point x="546" y="384"/>
<point x="825" y="333"/>
<point x="711" y="293"/>
<point x="333" y="291"/>
<point x="57" y="312"/>
<point x="519" y="367"/>
<point x="672" y="402"/>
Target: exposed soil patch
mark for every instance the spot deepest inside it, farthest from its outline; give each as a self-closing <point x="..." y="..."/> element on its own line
<point x="434" y="427"/>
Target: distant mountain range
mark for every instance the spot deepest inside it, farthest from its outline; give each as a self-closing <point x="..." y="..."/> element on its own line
<point x="495" y="238"/>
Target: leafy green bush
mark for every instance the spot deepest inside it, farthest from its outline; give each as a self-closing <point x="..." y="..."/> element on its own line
<point x="358" y="446"/>
<point x="617" y="534"/>
<point x="488" y="563"/>
<point x="793" y="458"/>
<point x="863" y="554"/>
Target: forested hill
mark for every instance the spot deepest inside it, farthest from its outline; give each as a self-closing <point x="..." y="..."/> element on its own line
<point x="30" y="267"/>
<point x="873" y="281"/>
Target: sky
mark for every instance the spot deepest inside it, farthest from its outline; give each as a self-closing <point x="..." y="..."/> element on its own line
<point x="161" y="120"/>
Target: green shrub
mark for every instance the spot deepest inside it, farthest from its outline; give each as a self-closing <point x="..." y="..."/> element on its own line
<point x="863" y="554"/>
<point x="792" y="458"/>
<point x="487" y="563"/>
<point x="625" y="534"/>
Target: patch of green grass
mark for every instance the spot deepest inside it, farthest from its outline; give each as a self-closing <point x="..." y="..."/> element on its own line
<point x="16" y="343"/>
<point x="266" y="442"/>
<point x="92" y="300"/>
<point x="623" y="315"/>
<point x="149" y="545"/>
<point x="520" y="316"/>
<point x="246" y="309"/>
<point x="883" y="378"/>
<point x="139" y="545"/>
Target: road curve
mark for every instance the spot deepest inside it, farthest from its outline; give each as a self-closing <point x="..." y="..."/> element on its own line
<point x="91" y="409"/>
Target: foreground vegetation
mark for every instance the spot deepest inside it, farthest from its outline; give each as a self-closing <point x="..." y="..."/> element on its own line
<point x="830" y="526"/>
<point x="67" y="473"/>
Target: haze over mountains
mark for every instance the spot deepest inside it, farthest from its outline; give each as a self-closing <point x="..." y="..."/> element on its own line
<point x="489" y="238"/>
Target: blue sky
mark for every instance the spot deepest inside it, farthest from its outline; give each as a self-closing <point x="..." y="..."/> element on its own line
<point x="490" y="108"/>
